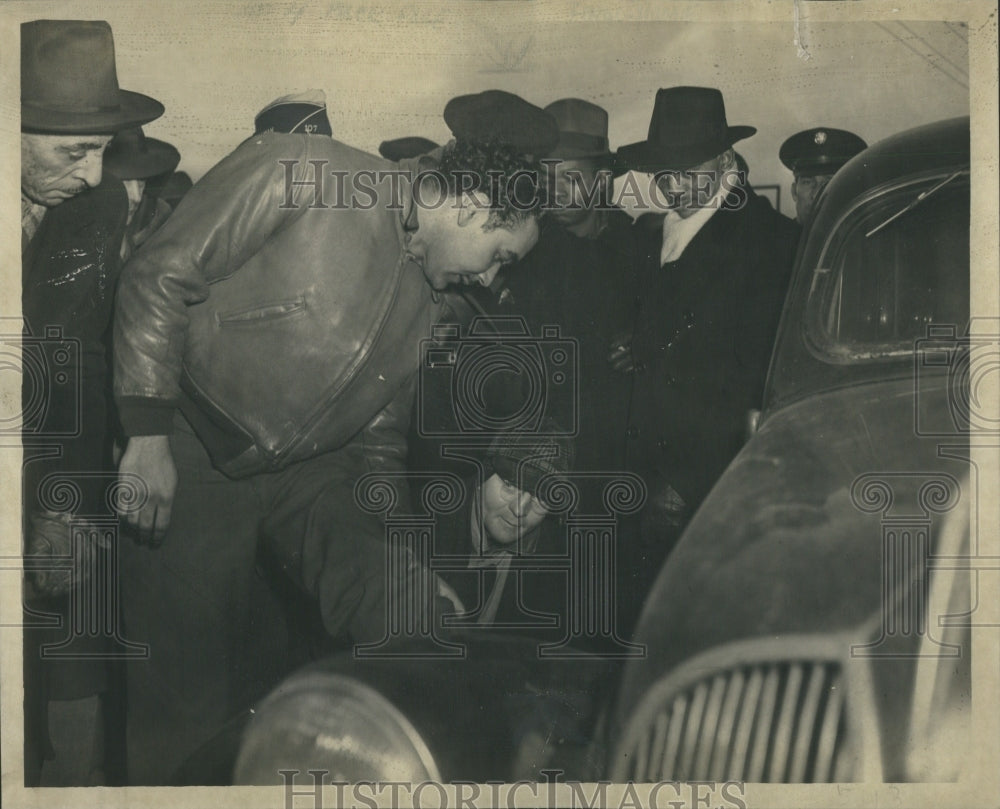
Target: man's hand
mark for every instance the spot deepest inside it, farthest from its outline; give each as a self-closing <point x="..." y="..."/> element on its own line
<point x="621" y="354"/>
<point x="148" y="457"/>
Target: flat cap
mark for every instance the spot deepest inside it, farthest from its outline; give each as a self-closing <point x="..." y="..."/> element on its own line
<point x="821" y="150"/>
<point x="498" y="115"/>
<point x="525" y="459"/>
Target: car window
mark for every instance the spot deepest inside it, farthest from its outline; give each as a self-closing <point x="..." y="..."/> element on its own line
<point x="889" y="271"/>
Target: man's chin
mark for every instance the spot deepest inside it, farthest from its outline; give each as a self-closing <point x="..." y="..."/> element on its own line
<point x="54" y="198"/>
<point x="439" y="282"/>
<point x="51" y="199"/>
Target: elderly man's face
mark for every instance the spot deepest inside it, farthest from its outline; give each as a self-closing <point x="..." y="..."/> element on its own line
<point x="690" y="190"/>
<point x="804" y="193"/>
<point x="507" y="512"/>
<point x="57" y="167"/>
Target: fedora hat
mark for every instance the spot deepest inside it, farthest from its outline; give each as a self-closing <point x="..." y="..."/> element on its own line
<point x="583" y="129"/>
<point x="688" y="127"/>
<point x="69" y="84"/>
<point x="133" y="156"/>
<point x="501" y="116"/>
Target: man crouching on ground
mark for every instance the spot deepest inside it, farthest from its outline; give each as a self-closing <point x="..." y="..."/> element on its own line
<point x="265" y="356"/>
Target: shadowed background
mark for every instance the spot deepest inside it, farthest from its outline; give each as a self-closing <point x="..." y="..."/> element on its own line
<point x="389" y="69"/>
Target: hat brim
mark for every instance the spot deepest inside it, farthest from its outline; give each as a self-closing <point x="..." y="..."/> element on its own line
<point x="134" y="109"/>
<point x="579" y="146"/>
<point x="579" y="154"/>
<point x="648" y="157"/>
<point x="159" y="158"/>
<point x="405" y="148"/>
<point x="813" y="168"/>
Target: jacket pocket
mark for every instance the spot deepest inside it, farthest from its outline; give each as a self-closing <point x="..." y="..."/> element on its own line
<point x="261" y="313"/>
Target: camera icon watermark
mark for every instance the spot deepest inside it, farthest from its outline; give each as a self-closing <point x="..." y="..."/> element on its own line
<point x="499" y="377"/>
<point x="957" y="380"/>
<point x="49" y="367"/>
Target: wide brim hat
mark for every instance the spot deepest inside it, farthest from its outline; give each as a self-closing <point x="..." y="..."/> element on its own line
<point x="133" y="156"/>
<point x="404" y="148"/>
<point x="495" y="115"/>
<point x="688" y="127"/>
<point x="583" y="129"/>
<point x="820" y="150"/>
<point x="69" y="83"/>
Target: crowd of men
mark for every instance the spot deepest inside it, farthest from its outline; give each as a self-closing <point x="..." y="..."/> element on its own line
<point x="249" y="354"/>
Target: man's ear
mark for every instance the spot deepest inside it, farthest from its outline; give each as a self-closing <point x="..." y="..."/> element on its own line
<point x="473" y="204"/>
<point x="795" y="190"/>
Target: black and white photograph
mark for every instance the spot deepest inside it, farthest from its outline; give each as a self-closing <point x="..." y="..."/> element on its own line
<point x="500" y="403"/>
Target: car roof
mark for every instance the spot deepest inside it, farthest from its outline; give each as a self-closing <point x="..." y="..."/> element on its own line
<point x="921" y="150"/>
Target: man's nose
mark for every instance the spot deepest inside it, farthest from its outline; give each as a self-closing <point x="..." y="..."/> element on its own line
<point x="90" y="168"/>
<point x="521" y="503"/>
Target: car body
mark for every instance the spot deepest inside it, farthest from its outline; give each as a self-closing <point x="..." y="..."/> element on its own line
<point x="788" y="635"/>
<point x="789" y="628"/>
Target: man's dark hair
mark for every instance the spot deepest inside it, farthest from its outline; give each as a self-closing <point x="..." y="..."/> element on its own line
<point x="496" y="169"/>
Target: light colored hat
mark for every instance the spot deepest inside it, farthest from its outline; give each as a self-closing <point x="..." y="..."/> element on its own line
<point x="298" y="112"/>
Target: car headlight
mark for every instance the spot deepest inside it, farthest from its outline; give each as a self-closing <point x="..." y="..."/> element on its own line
<point x="335" y="724"/>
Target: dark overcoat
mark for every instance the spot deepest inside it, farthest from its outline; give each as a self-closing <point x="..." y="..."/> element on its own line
<point x="585" y="288"/>
<point x="702" y="343"/>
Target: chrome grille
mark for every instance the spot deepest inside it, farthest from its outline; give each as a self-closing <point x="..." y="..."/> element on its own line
<point x="777" y="721"/>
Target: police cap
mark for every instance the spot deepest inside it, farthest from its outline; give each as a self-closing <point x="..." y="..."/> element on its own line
<point x="821" y="150"/>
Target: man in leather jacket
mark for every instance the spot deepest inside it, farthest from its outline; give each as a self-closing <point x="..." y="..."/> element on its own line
<point x="267" y="341"/>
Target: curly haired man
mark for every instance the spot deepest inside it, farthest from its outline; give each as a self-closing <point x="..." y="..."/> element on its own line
<point x="266" y="348"/>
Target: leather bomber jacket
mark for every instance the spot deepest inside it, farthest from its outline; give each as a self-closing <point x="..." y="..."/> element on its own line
<point x="283" y="321"/>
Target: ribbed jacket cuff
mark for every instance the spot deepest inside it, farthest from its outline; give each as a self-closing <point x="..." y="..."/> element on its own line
<point x="142" y="416"/>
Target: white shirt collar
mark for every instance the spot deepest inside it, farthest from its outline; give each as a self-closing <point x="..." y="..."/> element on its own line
<point x="678" y="232"/>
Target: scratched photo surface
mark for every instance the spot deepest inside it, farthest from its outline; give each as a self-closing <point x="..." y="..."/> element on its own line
<point x="499" y="403"/>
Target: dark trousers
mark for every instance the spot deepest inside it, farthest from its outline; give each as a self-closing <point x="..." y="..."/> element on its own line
<point x="215" y="628"/>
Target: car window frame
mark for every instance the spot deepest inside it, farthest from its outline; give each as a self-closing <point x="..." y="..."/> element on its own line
<point x="823" y="278"/>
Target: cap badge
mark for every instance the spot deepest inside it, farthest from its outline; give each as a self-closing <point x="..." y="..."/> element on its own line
<point x="819" y="138"/>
